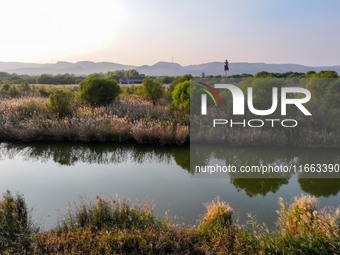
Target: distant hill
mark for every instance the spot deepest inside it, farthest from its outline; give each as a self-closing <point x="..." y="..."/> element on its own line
<point x="158" y="69"/>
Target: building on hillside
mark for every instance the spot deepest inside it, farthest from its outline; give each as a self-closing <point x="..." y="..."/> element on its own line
<point x="131" y="80"/>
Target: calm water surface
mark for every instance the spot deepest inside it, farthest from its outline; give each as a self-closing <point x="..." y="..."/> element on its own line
<point x="51" y="175"/>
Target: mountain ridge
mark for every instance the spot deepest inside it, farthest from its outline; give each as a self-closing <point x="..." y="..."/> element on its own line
<point x="158" y="69"/>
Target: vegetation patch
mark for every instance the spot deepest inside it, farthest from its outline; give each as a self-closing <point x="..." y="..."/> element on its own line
<point x="157" y="110"/>
<point x="113" y="226"/>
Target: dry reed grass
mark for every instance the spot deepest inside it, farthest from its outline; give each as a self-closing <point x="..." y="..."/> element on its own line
<point x="131" y="119"/>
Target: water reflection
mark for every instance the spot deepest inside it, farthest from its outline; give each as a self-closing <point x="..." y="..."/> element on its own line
<point x="70" y="154"/>
<point x="257" y="186"/>
<point x="320" y="187"/>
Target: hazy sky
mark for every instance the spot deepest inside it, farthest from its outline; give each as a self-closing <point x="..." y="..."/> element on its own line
<point x="190" y="31"/>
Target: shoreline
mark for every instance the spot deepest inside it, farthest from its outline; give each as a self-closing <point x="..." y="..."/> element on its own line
<point x="129" y="140"/>
<point x="107" y="226"/>
<point x="152" y="140"/>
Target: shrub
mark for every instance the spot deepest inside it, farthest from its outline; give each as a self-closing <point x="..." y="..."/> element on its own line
<point x="98" y="91"/>
<point x="9" y="90"/>
<point x="110" y="213"/>
<point x="181" y="97"/>
<point x="43" y="92"/>
<point x="16" y="229"/>
<point x="219" y="216"/>
<point x="152" y="90"/>
<point x="13" y="91"/>
<point x="25" y="87"/>
<point x="61" y="102"/>
<point x="221" y="234"/>
<point x="304" y="229"/>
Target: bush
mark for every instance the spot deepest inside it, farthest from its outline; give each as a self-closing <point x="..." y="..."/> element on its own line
<point x="304" y="229"/>
<point x="25" y="87"/>
<point x="181" y="97"/>
<point x="152" y="90"/>
<point x="16" y="229"/>
<point x="9" y="90"/>
<point x="217" y="229"/>
<point x="98" y="91"/>
<point x="61" y="103"/>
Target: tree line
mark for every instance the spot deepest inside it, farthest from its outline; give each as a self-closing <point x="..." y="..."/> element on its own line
<point x="64" y="79"/>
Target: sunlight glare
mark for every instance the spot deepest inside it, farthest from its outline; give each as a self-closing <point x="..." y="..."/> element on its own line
<point x="34" y="30"/>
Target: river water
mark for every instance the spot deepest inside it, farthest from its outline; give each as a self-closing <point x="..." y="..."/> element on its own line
<point x="50" y="175"/>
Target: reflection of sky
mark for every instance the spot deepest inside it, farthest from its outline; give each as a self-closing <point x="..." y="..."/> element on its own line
<point x="48" y="187"/>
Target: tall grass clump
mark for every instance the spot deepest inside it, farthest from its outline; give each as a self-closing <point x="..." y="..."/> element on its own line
<point x="112" y="226"/>
<point x="110" y="213"/>
<point x="305" y="229"/>
<point x="219" y="215"/>
<point x="16" y="228"/>
<point x="221" y="234"/>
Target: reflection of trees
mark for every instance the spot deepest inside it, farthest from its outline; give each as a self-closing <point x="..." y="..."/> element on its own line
<point x="275" y="157"/>
<point x="254" y="186"/>
<point x="182" y="157"/>
<point x="254" y="156"/>
<point x="199" y="156"/>
<point x="320" y="187"/>
<point x="69" y="154"/>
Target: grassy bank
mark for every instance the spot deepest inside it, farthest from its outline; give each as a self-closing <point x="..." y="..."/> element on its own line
<point x="112" y="226"/>
<point x="133" y="119"/>
<point x="99" y="110"/>
<point x="129" y="119"/>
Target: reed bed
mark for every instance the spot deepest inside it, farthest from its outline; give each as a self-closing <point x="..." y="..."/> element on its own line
<point x="130" y="119"/>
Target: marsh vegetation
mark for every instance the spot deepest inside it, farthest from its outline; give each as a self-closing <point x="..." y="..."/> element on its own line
<point x="113" y="226"/>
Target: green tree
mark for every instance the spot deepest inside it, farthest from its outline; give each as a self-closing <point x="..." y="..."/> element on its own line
<point x="178" y="80"/>
<point x="64" y="79"/>
<point x="263" y="74"/>
<point x="181" y="97"/>
<point x="131" y="73"/>
<point x="326" y="74"/>
<point x="61" y="103"/>
<point x="167" y="79"/>
<point x="98" y="91"/>
<point x="45" y="79"/>
<point x="152" y="89"/>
